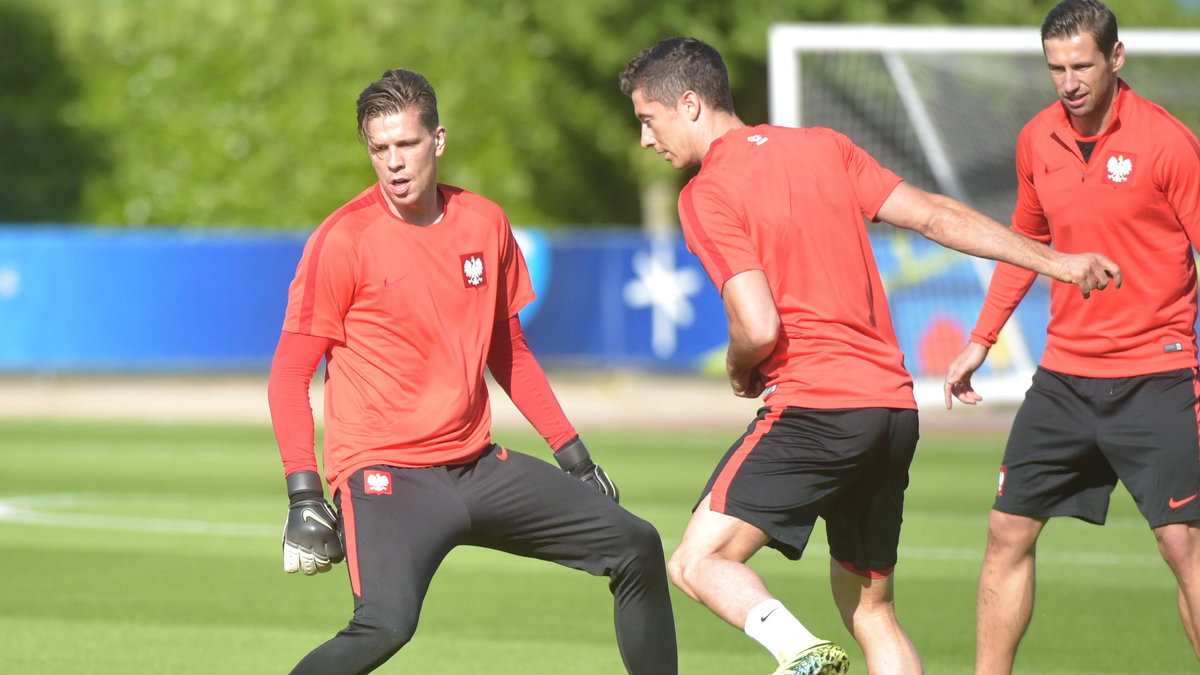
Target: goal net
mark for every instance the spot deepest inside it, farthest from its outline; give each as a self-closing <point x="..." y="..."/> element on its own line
<point x="942" y="107"/>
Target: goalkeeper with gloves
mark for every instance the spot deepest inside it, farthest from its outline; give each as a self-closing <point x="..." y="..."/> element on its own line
<point x="409" y="291"/>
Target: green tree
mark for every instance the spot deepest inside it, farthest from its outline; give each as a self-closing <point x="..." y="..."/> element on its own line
<point x="241" y="112"/>
<point x="46" y="157"/>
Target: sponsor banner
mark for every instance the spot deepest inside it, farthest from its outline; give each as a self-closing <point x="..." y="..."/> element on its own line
<point x="130" y="299"/>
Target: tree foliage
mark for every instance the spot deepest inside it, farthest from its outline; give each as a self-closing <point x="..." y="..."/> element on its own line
<point x="231" y="112"/>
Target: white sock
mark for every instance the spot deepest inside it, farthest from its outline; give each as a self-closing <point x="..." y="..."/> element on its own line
<point x="774" y="627"/>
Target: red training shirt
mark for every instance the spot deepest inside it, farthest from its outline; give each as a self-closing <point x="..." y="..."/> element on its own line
<point x="1138" y="202"/>
<point x="791" y="202"/>
<point x="411" y="316"/>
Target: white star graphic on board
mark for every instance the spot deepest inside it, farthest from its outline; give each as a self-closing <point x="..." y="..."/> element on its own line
<point x="666" y="290"/>
<point x="10" y="282"/>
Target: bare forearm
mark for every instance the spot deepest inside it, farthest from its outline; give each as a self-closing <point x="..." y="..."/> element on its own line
<point x="753" y="330"/>
<point x="959" y="227"/>
<point x="955" y="225"/>
<point x="741" y="364"/>
<point x="744" y="354"/>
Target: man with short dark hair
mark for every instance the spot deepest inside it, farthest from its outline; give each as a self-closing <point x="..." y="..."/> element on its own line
<point x="776" y="216"/>
<point x="409" y="291"/>
<point x="1114" y="396"/>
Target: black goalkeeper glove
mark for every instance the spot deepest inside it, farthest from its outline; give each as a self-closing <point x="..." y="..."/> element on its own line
<point x="310" y="535"/>
<point x="575" y="460"/>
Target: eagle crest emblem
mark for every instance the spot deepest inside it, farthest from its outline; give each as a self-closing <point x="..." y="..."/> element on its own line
<point x="1119" y="167"/>
<point x="472" y="268"/>
<point x="378" y="483"/>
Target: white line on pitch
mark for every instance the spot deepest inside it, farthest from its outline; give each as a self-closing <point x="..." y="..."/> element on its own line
<point x="35" y="510"/>
<point x="26" y="510"/>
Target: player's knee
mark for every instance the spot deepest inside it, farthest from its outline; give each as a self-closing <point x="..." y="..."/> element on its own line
<point x="645" y="540"/>
<point x="1012" y="536"/>
<point x="385" y="631"/>
<point x="637" y="539"/>
<point x="676" y="570"/>
<point x="687" y="574"/>
<point x="641" y="548"/>
<point x="1180" y="546"/>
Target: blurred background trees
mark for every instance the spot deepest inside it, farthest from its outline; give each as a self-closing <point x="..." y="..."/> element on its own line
<point x="231" y="112"/>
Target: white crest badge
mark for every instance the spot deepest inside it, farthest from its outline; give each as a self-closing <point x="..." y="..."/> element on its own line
<point x="378" y="483"/>
<point x="1119" y="167"/>
<point x="472" y="268"/>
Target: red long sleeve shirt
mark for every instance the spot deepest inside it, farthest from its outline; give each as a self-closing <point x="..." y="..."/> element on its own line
<point x="407" y="318"/>
<point x="1136" y="201"/>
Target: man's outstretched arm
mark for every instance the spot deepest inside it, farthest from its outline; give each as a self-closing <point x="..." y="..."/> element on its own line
<point x="955" y="225"/>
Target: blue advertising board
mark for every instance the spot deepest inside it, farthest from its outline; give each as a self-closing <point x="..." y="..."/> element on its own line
<point x="125" y="299"/>
<point x="118" y="299"/>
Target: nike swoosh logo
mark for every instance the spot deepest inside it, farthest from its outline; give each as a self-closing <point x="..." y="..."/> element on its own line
<point x="309" y="514"/>
<point x="764" y="617"/>
<point x="393" y="282"/>
<point x="1176" y="503"/>
<point x="502" y="453"/>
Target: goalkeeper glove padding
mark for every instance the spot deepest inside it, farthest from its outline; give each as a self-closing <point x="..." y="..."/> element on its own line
<point x="310" y="534"/>
<point x="575" y="460"/>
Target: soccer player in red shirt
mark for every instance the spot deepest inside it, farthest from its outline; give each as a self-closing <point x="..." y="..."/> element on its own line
<point x="776" y="216"/>
<point x="1114" y="396"/>
<point x="408" y="292"/>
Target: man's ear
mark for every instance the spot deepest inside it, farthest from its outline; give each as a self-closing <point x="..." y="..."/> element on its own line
<point x="690" y="105"/>
<point x="1118" y="56"/>
<point x="439" y="141"/>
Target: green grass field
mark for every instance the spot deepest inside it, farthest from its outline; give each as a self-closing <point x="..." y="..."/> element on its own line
<point x="155" y="549"/>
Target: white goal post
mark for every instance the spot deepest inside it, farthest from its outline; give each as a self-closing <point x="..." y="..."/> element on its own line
<point x="942" y="107"/>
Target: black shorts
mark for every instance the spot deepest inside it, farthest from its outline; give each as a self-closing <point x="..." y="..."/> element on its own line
<point x="1073" y="437"/>
<point x="848" y="466"/>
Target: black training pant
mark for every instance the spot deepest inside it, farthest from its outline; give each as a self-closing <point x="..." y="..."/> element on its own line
<point x="399" y="524"/>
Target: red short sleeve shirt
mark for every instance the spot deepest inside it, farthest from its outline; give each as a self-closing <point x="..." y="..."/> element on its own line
<point x="412" y="310"/>
<point x="792" y="203"/>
